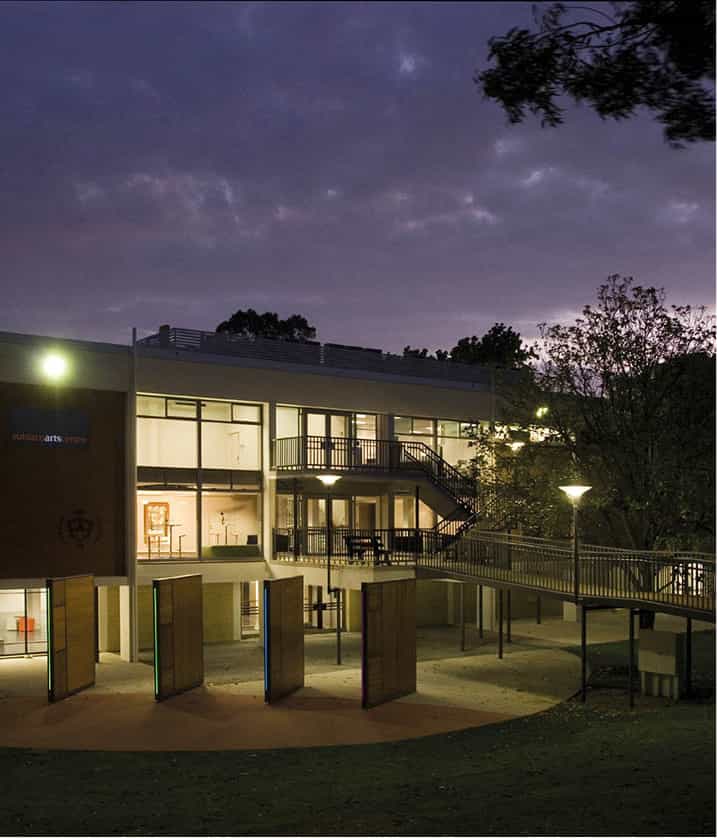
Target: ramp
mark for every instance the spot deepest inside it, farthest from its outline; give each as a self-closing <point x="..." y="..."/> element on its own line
<point x="283" y="637"/>
<point x="388" y="640"/>
<point x="70" y="635"/>
<point x="178" y="638"/>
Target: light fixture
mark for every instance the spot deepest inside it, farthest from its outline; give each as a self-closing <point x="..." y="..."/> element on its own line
<point x="515" y="446"/>
<point x="329" y="479"/>
<point x="575" y="492"/>
<point x="542" y="411"/>
<point x="54" y="366"/>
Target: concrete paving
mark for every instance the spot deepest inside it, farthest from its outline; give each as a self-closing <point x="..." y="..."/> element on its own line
<point x="455" y="690"/>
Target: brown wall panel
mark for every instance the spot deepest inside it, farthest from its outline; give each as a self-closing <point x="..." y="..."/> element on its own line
<point x="283" y="637"/>
<point x="72" y="619"/>
<point x="179" y="649"/>
<point x="62" y="509"/>
<point x="388" y="660"/>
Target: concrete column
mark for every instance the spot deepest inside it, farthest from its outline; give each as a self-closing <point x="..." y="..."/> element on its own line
<point x="128" y="622"/>
<point x="108" y="618"/>
<point x="236" y="610"/>
<point x="572" y="613"/>
<point x="452" y="606"/>
<point x="490" y="609"/>
<point x="260" y="603"/>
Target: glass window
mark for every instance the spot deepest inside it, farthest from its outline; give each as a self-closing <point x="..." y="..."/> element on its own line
<point x="217" y="411"/>
<point x="468" y="428"/>
<point x="423" y="426"/>
<point x="402" y="424"/>
<point x="227" y="445"/>
<point x="447" y="427"/>
<point x="150" y="406"/>
<point x="287" y="422"/>
<point x="166" y="525"/>
<point x="230" y="520"/>
<point x="404" y="512"/>
<point x="246" y="413"/>
<point x="166" y="442"/>
<point x="22" y="621"/>
<point x="365" y="426"/>
<point x="454" y="450"/>
<point x="182" y="408"/>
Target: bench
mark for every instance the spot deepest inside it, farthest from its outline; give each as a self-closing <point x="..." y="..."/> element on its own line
<point x="357" y="545"/>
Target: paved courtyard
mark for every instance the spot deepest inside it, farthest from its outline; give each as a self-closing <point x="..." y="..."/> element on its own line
<point x="456" y="689"/>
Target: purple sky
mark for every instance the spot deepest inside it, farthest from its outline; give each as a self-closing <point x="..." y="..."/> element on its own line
<point x="171" y="163"/>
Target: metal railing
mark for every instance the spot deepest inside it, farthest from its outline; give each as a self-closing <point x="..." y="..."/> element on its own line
<point x="318" y="453"/>
<point x="309" y="545"/>
<point x="676" y="581"/>
<point x="330" y="355"/>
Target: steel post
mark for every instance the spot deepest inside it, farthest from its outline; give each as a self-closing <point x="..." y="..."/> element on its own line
<point x="631" y="660"/>
<point x="583" y="655"/>
<point x="688" y="657"/>
<point x="500" y="623"/>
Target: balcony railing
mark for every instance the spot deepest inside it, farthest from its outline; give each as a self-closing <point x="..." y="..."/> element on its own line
<point x="322" y="453"/>
<point x="309" y="545"/>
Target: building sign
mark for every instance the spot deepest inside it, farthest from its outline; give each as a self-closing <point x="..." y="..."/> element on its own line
<point x="54" y="428"/>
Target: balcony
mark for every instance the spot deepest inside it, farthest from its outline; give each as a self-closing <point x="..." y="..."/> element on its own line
<point x="398" y="547"/>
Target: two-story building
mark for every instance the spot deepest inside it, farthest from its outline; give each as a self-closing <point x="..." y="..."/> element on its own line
<point x="239" y="459"/>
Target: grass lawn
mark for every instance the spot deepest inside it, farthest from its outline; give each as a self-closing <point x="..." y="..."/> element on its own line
<point x="595" y="769"/>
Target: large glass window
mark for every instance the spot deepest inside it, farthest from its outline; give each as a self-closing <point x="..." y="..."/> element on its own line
<point x="166" y="525"/>
<point x="23" y="629"/>
<point x="230" y="520"/>
<point x="414" y="429"/>
<point x="226" y="445"/>
<point x="287" y="422"/>
<point x="404" y="513"/>
<point x="454" y="440"/>
<point x="171" y="443"/>
<point x="365" y="425"/>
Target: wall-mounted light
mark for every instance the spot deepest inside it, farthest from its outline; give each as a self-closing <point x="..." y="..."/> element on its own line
<point x="329" y="479"/>
<point x="53" y="366"/>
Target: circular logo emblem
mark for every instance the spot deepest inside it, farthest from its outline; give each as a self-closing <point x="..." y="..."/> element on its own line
<point x="79" y="528"/>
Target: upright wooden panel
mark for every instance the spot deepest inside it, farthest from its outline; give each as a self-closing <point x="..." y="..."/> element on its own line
<point x="388" y="659"/>
<point x="71" y="624"/>
<point x="283" y="637"/>
<point x="178" y="639"/>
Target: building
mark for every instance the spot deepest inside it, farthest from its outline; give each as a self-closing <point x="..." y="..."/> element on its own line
<point x="197" y="452"/>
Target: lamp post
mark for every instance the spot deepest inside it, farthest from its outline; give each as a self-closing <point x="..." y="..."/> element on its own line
<point x="574" y="493"/>
<point x="329" y="480"/>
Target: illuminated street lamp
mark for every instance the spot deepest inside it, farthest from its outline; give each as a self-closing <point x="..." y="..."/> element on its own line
<point x="515" y="446"/>
<point x="542" y="411"/>
<point x="574" y="493"/>
<point x="330" y="480"/>
<point x="53" y="366"/>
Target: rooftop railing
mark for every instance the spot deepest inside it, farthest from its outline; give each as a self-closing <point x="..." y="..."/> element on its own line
<point x="311" y="353"/>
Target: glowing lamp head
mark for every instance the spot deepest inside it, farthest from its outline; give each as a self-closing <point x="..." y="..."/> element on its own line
<point x="542" y="411"/>
<point x="329" y="479"/>
<point x="575" y="492"/>
<point x="54" y="366"/>
<point x="515" y="446"/>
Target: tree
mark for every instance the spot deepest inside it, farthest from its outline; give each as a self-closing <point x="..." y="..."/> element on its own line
<point x="251" y="324"/>
<point x="654" y="54"/>
<point x="500" y="346"/>
<point x="630" y="389"/>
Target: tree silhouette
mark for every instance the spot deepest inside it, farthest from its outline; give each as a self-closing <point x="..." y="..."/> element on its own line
<point x="251" y="324"/>
<point x="655" y="54"/>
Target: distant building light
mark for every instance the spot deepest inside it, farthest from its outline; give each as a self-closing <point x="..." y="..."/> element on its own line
<point x="542" y="411"/>
<point x="515" y="446"/>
